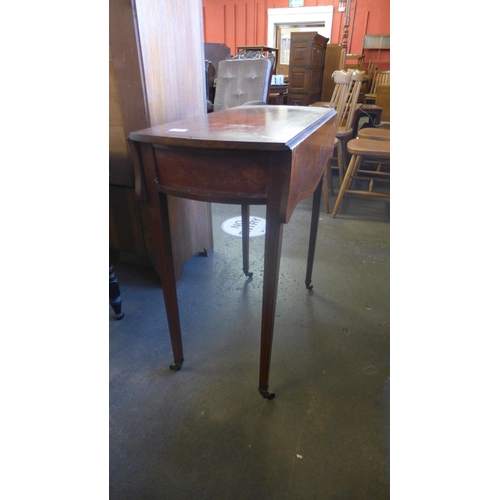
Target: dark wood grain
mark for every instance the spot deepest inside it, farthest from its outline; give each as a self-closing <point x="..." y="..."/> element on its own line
<point x="263" y="128"/>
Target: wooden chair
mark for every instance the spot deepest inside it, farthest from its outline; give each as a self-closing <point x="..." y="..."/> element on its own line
<point x="243" y="79"/>
<point x="340" y="95"/>
<point x="369" y="74"/>
<point x="383" y="100"/>
<point x="371" y="70"/>
<point x="362" y="150"/>
<point x="380" y="78"/>
<point x="345" y="131"/>
<point x="358" y="65"/>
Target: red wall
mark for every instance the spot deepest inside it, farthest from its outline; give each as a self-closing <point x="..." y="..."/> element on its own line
<point x="244" y="22"/>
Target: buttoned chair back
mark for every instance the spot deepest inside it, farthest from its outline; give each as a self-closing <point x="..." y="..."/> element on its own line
<point x="242" y="81"/>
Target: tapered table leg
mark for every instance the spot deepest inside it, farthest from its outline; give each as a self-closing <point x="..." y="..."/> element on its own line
<point x="245" y="234"/>
<point x="272" y="255"/>
<point x="313" y="233"/>
<point x="165" y="264"/>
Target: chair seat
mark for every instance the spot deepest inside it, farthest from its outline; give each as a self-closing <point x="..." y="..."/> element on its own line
<point x="378" y="134"/>
<point x="370" y="148"/>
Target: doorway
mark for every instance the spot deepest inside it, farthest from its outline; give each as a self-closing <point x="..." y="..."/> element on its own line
<point x="282" y="22"/>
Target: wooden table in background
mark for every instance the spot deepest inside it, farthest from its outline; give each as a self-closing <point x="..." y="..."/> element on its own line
<point x="268" y="155"/>
<point x="278" y="94"/>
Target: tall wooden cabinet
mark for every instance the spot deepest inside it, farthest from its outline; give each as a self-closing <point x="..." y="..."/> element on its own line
<point x="307" y="63"/>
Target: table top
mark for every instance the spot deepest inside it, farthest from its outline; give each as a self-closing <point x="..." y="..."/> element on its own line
<point x="265" y="127"/>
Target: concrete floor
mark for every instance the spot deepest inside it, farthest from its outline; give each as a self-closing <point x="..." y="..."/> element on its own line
<point x="205" y="432"/>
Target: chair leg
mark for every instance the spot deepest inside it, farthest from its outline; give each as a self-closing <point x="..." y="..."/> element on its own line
<point x="354" y="172"/>
<point x="346" y="183"/>
<point x="341" y="160"/>
<point x="245" y="233"/>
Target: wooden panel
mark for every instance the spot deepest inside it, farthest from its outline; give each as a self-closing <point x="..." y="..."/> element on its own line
<point x="299" y="80"/>
<point x="173" y="59"/>
<point x="115" y="114"/>
<point x="127" y="65"/>
<point x="318" y="56"/>
<point x="316" y="79"/>
<point x="117" y="142"/>
<point x="300" y="54"/>
<point x="158" y="64"/>
<point x="332" y="63"/>
<point x="125" y="227"/>
<point x="195" y="171"/>
<point x="125" y="90"/>
<point x="383" y="100"/>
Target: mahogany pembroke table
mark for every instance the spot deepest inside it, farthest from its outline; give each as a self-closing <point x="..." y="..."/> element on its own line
<point x="248" y="155"/>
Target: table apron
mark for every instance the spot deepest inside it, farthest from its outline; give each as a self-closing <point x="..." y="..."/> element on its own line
<point x="221" y="176"/>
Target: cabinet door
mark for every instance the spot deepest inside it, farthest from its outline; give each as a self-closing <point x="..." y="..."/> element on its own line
<point x="299" y="80"/>
<point x="300" y="54"/>
<point x="316" y="79"/>
<point x="318" y="56"/>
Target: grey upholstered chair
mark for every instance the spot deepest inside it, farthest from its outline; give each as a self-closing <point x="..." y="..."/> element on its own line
<point x="243" y="80"/>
